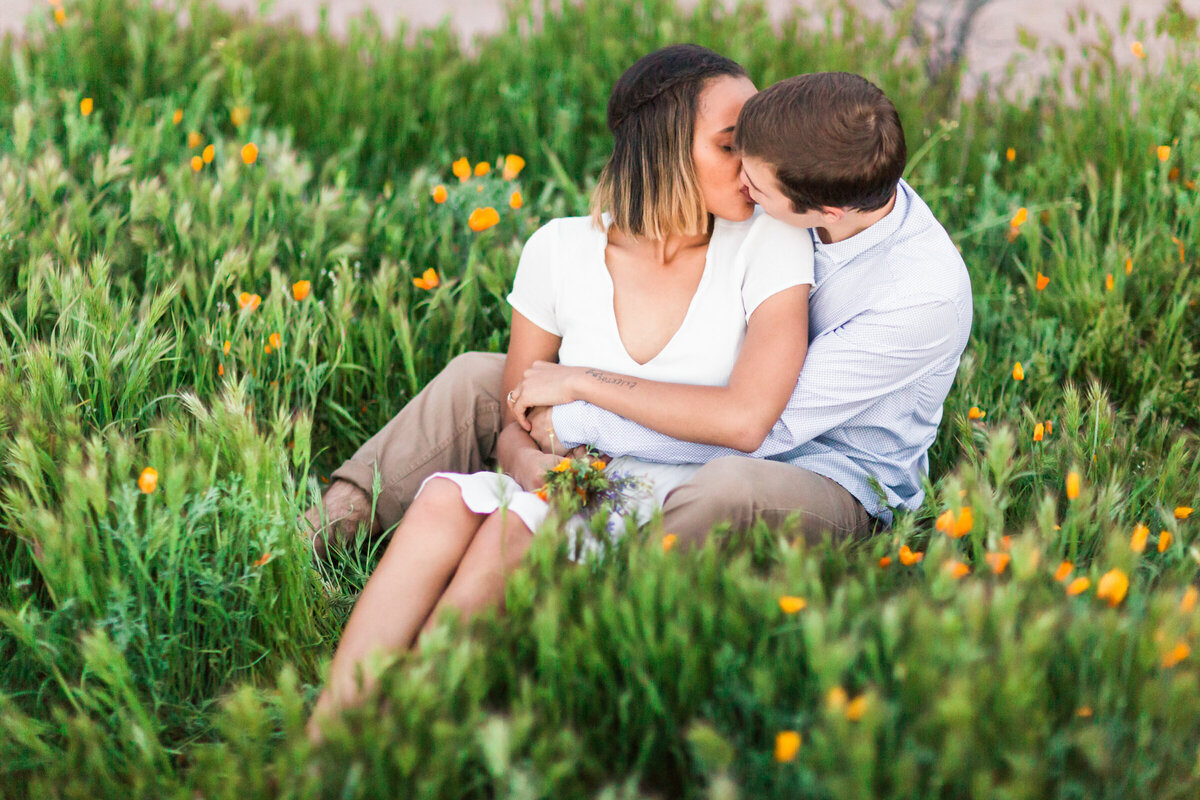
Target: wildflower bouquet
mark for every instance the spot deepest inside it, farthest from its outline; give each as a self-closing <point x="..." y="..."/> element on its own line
<point x="585" y="486"/>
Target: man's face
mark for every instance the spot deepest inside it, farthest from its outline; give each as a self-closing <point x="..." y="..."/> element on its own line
<point x="761" y="182"/>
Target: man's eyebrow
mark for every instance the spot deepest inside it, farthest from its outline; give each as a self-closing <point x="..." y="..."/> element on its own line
<point x="726" y="130"/>
<point x="752" y="183"/>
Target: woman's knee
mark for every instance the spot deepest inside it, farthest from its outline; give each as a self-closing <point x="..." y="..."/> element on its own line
<point x="439" y="495"/>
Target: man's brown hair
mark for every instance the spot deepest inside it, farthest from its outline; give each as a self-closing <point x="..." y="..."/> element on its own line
<point x="833" y="138"/>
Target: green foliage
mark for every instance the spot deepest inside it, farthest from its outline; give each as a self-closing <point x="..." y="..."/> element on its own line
<point x="169" y="643"/>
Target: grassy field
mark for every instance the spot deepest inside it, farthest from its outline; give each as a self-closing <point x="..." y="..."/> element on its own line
<point x="239" y="319"/>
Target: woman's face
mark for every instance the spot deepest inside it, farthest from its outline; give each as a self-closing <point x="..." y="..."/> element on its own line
<point x="717" y="164"/>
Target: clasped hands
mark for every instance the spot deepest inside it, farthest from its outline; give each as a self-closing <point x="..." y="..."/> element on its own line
<point x="543" y="386"/>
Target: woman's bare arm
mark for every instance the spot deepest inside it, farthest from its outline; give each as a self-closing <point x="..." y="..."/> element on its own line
<point x="738" y="415"/>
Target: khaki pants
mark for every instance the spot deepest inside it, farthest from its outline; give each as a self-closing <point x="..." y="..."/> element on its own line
<point x="453" y="424"/>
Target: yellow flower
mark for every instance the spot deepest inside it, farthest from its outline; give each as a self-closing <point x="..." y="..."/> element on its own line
<point x="1190" y="595"/>
<point x="1039" y="431"/>
<point x="1164" y="152"/>
<point x="856" y="708"/>
<point x="209" y="154"/>
<point x="239" y="116"/>
<point x="148" y="480"/>
<point x="60" y="16"/>
<point x="1112" y="586"/>
<point x="598" y="464"/>
<point x="1010" y="154"/>
<point x="194" y="139"/>
<point x="85" y="106"/>
<point x="955" y="568"/>
<point x="791" y="605"/>
<point x="275" y="340"/>
<point x="249" y="153"/>
<point x="563" y="466"/>
<point x="1020" y="218"/>
<point x="1078" y="586"/>
<point x="997" y="561"/>
<point x="515" y="200"/>
<point x="1183" y="512"/>
<point x="1064" y="571"/>
<point x="177" y="117"/>
<point x="1018" y="372"/>
<point x="483" y="218"/>
<point x="1072" y="485"/>
<point x="668" y="542"/>
<point x="1177" y="653"/>
<point x="300" y="290"/>
<point x="1138" y="50"/>
<point x="1137" y="542"/>
<point x="1164" y="540"/>
<point x="787" y="744"/>
<point x="975" y="413"/>
<point x="483" y="168"/>
<point x="439" y="194"/>
<point x="428" y="280"/>
<point x="513" y="166"/>
<point x="461" y="169"/>
<point x="197" y="163"/>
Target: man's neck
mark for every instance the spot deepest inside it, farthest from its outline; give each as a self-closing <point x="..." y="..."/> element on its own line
<point x="854" y="223"/>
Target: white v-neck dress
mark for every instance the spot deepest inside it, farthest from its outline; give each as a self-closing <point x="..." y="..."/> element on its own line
<point x="563" y="286"/>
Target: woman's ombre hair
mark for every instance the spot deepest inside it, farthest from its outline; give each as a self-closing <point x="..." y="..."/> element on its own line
<point x="649" y="185"/>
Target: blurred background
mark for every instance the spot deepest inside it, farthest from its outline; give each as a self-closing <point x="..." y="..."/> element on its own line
<point x="983" y="33"/>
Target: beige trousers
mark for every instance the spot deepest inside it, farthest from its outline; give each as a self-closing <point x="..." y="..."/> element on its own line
<point x="454" y="422"/>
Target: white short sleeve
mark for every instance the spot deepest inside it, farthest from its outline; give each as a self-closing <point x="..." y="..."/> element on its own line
<point x="534" y="292"/>
<point x="776" y="256"/>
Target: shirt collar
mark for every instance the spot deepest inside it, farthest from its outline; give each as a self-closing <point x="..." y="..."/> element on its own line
<point x="849" y="249"/>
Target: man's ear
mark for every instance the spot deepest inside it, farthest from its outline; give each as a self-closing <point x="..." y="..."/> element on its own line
<point x="832" y="214"/>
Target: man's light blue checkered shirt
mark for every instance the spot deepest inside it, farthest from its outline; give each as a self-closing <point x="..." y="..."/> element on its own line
<point x="889" y="317"/>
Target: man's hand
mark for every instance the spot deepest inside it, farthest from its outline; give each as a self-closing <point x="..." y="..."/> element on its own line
<point x="521" y="460"/>
<point x="541" y="428"/>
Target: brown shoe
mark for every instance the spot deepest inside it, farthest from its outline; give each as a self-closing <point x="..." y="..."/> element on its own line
<point x="343" y="507"/>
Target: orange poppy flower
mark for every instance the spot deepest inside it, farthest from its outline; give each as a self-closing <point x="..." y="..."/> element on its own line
<point x="428" y="280"/>
<point x="1006" y="542"/>
<point x="790" y="604"/>
<point x="209" y="154"/>
<point x="60" y="16"/>
<point x="997" y="561"/>
<point x="836" y="698"/>
<point x="1164" y="152"/>
<point x="1042" y="281"/>
<point x="1138" y="50"/>
<point x="1176" y="654"/>
<point x="1164" y="540"/>
<point x="1063" y="571"/>
<point x="563" y="466"/>
<point x="1112" y="586"/>
<point x="440" y="194"/>
<point x="1039" y="431"/>
<point x="1020" y="218"/>
<point x="856" y="708"/>
<point x="249" y="153"/>
<point x="975" y="413"/>
<point x="461" y="169"/>
<point x="1084" y="711"/>
<point x="239" y="116"/>
<point x="220" y="370"/>
<point x="275" y="340"/>
<point x="258" y="562"/>
<point x="197" y="163"/>
<point x="598" y="464"/>
<point x="1129" y="266"/>
<point x="194" y="139"/>
<point x="541" y="493"/>
<point x="300" y="290"/>
<point x="228" y="344"/>
<point x="1049" y="428"/>
<point x="885" y="562"/>
<point x="1178" y="244"/>
<point x="483" y="218"/>
<point x="1078" y="586"/>
<point x="1018" y="372"/>
<point x="668" y="542"/>
<point x="248" y="302"/>
<point x="787" y="744"/>
<point x="1010" y="154"/>
<point x="513" y="166"/>
<point x="1190" y="595"/>
<point x="483" y="168"/>
<point x="956" y="569"/>
<point x="1108" y="282"/>
<point x="515" y="200"/>
<point x="85" y="106"/>
<point x="908" y="557"/>
<point x="1072" y="485"/>
<point x="1183" y="512"/>
<point x="1137" y="542"/>
<point x="148" y="480"/>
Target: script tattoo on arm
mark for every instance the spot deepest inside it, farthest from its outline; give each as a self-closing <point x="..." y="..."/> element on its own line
<point x="604" y="377"/>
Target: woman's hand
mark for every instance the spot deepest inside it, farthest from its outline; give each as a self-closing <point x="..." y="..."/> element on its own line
<point x="543" y="384"/>
<point x="522" y="460"/>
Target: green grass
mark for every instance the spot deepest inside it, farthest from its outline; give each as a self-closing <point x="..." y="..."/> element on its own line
<point x="170" y="644"/>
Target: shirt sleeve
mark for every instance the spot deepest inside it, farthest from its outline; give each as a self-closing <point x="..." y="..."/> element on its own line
<point x="847" y="370"/>
<point x="776" y="256"/>
<point x="535" y="285"/>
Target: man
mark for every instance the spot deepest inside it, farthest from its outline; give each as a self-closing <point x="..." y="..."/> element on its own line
<point x="889" y="316"/>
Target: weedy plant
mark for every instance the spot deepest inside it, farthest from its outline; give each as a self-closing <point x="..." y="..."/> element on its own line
<point x="230" y="251"/>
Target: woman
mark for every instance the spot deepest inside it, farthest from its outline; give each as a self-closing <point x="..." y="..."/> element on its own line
<point x="663" y="282"/>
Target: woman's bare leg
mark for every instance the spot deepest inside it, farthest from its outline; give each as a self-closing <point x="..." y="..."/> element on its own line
<point x="419" y="561"/>
<point x="498" y="546"/>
